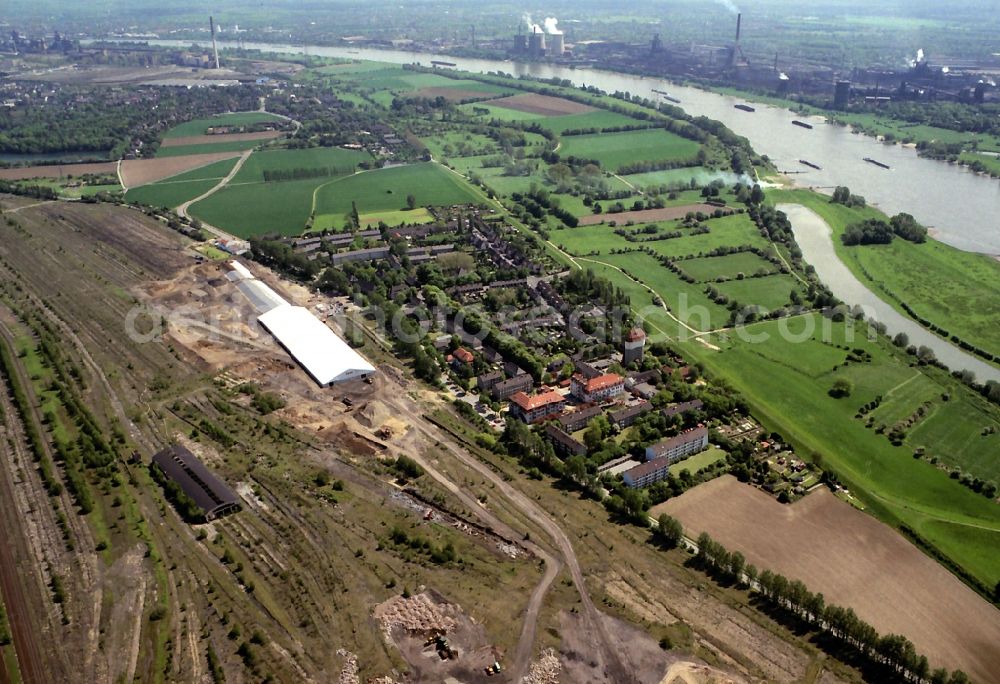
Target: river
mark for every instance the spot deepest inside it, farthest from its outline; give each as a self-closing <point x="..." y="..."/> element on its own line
<point x="815" y="239"/>
<point x="961" y="208"/>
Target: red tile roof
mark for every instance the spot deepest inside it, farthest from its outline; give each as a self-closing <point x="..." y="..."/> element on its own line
<point x="531" y="403"/>
<point x="602" y="382"/>
<point x="464" y="355"/>
<point x="635" y="334"/>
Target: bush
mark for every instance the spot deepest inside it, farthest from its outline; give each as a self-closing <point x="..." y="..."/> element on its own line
<point x="407" y="467"/>
<point x="841" y="388"/>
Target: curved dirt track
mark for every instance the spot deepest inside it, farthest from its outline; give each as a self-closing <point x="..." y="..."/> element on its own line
<point x="615" y="670"/>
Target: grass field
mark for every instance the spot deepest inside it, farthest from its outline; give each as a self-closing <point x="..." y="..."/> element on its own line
<point x="902" y="131"/>
<point x="706" y="269"/>
<point x="214" y="171"/>
<point x="728" y="231"/>
<point x="250" y="206"/>
<point x="395" y="218"/>
<point x="693" y="464"/>
<point x="180" y="188"/>
<point x="786" y="379"/>
<point x="285" y="160"/>
<point x="169" y="195"/>
<point x="991" y="162"/>
<point x="614" y="150"/>
<point x="557" y="124"/>
<point x="770" y="292"/>
<point x="387" y="190"/>
<point x="207" y="148"/>
<point x="200" y="126"/>
<point x="701" y="176"/>
<point x="687" y="302"/>
<point x="958" y="291"/>
<point x="258" y="208"/>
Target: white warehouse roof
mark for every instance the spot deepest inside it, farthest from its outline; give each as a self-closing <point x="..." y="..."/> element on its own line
<point x="326" y="357"/>
<point x="241" y="270"/>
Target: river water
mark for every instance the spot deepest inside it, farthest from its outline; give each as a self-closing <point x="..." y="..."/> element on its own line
<point x="960" y="207"/>
<point x="814" y="237"/>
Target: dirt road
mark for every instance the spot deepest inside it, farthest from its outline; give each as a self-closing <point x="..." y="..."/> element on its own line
<point x="182" y="210"/>
<point x="615" y="670"/>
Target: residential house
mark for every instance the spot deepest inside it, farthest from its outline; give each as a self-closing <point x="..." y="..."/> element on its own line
<point x="627" y="416"/>
<point x="563" y="443"/>
<point x="598" y="389"/>
<point x="488" y="381"/>
<point x="508" y="388"/>
<point x="647" y="473"/>
<point x="571" y="422"/>
<point x="683" y="445"/>
<point x="532" y="409"/>
<point x="683" y="407"/>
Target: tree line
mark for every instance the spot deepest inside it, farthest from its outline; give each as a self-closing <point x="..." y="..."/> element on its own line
<point x="301" y="173"/>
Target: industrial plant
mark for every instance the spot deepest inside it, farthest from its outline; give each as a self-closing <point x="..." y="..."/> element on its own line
<point x="728" y="62"/>
<point x="545" y="40"/>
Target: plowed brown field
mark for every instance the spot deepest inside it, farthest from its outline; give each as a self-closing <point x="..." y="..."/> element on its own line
<point x="136" y="172"/>
<point x="647" y="215"/>
<point x="545" y="105"/>
<point x="56" y="170"/>
<point x="220" y="138"/>
<point x="855" y="561"/>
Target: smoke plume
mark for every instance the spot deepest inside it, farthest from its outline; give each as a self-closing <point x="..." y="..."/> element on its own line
<point x="532" y="26"/>
<point x="552" y="26"/>
<point x="730" y="5"/>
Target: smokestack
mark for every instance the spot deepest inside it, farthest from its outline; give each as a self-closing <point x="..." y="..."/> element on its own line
<point x="215" y="49"/>
<point x="739" y="20"/>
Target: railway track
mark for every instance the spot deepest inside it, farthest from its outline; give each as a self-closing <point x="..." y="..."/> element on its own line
<point x="14" y="547"/>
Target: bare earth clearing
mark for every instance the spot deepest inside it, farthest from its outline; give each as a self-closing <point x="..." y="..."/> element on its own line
<point x="545" y="105"/>
<point x="219" y="138"/>
<point x="855" y="561"/>
<point x="56" y="170"/>
<point x="451" y="94"/>
<point x="136" y="172"/>
<point x="647" y="215"/>
<point x="129" y="74"/>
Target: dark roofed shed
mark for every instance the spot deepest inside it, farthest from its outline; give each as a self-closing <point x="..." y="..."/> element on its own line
<point x="212" y="495"/>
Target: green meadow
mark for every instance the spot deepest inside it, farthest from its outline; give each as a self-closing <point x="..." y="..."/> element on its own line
<point x="706" y="269"/>
<point x="258" y="208"/>
<point x="209" y="148"/>
<point x="338" y="158"/>
<point x="614" y="150"/>
<point x="786" y="379"/>
<point x="387" y="190"/>
<point x="201" y="126"/>
<point x="958" y="291"/>
<point x="177" y="190"/>
<point x="169" y="195"/>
